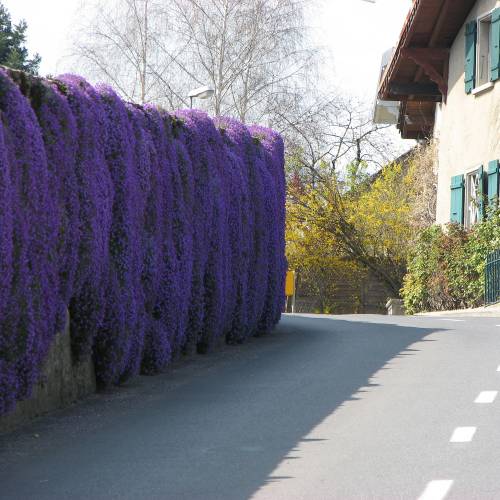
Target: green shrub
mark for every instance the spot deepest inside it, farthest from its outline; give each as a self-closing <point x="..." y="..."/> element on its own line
<point x="446" y="267"/>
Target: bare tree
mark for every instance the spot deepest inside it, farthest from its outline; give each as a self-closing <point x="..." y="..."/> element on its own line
<point x="328" y="134"/>
<point x="332" y="148"/>
<point x="117" y="42"/>
<point x="252" y="52"/>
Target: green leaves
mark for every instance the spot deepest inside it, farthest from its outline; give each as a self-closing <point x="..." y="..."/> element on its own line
<point x="446" y="269"/>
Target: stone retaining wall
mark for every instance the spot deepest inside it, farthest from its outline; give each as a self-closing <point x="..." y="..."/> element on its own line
<point x="63" y="382"/>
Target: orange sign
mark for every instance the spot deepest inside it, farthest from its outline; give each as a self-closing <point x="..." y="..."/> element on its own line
<point x="290" y="283"/>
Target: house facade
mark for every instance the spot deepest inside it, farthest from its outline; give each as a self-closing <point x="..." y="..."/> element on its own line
<point x="445" y="72"/>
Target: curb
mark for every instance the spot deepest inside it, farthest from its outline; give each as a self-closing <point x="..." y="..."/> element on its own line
<point x="492" y="312"/>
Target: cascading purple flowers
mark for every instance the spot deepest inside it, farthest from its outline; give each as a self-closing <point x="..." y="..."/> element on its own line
<point x="272" y="154"/>
<point x="58" y="128"/>
<point x="95" y="192"/>
<point x="159" y="233"/>
<point x="30" y="303"/>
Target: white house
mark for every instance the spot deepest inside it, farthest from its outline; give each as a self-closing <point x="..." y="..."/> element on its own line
<point x="445" y="72"/>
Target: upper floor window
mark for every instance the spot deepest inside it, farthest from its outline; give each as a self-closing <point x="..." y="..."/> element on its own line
<point x="483" y="50"/>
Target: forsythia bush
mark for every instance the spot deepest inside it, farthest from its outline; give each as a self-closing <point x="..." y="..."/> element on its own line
<point x="159" y="232"/>
<point x="446" y="267"/>
<point x="353" y="229"/>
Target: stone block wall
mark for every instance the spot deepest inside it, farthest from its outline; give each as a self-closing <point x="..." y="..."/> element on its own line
<point x="63" y="381"/>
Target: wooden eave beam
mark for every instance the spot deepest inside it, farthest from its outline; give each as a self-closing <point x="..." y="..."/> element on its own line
<point x="430" y="60"/>
<point x="436" y="32"/>
<point x="427" y="53"/>
<point x="416" y="89"/>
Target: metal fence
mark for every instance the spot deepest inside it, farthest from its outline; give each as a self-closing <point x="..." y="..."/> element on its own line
<point x="492" y="278"/>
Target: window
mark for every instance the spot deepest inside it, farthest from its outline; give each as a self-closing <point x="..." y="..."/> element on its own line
<point x="483" y="50"/>
<point x="473" y="197"/>
<point x="472" y="192"/>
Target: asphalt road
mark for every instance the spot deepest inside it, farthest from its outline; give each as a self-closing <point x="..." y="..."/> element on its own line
<point x="345" y="407"/>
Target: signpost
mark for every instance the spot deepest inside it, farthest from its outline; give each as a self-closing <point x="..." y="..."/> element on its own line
<point x="290" y="283"/>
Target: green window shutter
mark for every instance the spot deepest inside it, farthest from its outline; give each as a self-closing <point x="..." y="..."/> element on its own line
<point x="493" y="182"/>
<point x="470" y="56"/>
<point x="495" y="45"/>
<point x="457" y="199"/>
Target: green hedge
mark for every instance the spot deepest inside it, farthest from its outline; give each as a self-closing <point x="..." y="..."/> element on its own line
<point x="446" y="267"/>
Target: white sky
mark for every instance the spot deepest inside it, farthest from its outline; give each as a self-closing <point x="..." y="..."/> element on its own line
<point x="49" y="25"/>
<point x="355" y="32"/>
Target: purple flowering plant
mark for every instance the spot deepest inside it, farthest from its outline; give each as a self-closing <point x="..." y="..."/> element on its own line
<point x="160" y="233"/>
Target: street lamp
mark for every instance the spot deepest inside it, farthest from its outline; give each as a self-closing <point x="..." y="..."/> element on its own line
<point x="200" y="93"/>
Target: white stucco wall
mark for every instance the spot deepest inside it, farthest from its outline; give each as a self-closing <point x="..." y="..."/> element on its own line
<point x="468" y="129"/>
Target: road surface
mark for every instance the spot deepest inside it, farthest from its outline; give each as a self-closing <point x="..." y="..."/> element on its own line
<point x="327" y="407"/>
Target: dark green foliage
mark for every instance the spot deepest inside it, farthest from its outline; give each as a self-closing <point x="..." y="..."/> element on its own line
<point x="13" y="52"/>
<point x="446" y="268"/>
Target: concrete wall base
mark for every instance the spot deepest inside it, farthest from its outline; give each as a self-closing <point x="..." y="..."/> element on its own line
<point x="63" y="381"/>
<point x="395" y="307"/>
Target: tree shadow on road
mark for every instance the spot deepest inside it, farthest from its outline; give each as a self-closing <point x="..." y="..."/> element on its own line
<point x="212" y="431"/>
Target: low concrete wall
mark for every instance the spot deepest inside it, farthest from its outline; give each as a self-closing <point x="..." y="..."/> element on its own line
<point x="62" y="382"/>
<point x="395" y="307"/>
